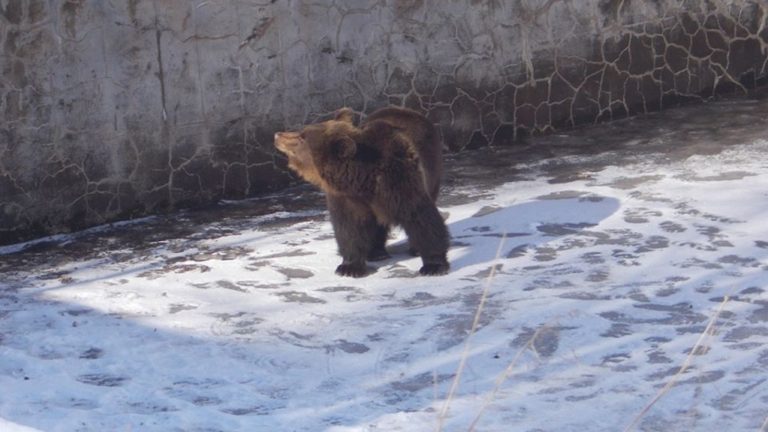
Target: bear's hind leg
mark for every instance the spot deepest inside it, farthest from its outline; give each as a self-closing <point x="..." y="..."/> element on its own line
<point x="378" y="250"/>
<point x="428" y="235"/>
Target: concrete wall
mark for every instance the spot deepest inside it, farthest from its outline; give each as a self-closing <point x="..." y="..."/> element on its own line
<point x="112" y="109"/>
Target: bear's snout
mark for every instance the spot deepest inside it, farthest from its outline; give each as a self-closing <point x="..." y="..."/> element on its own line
<point x="286" y="140"/>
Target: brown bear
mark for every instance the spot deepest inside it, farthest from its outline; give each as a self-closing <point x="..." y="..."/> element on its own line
<point x="385" y="172"/>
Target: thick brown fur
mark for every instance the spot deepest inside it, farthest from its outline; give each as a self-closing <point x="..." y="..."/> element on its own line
<point x="385" y="172"/>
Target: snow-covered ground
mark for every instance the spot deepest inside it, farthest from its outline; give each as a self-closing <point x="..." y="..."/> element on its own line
<point x="615" y="278"/>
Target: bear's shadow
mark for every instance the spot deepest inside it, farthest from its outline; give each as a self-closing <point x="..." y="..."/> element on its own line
<point x="476" y="239"/>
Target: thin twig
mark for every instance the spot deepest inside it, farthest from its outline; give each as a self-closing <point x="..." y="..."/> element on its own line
<point x="505" y="374"/>
<point x="708" y="330"/>
<point x="475" y="324"/>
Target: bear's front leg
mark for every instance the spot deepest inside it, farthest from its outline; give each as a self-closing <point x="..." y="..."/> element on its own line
<point x="355" y="229"/>
<point x="428" y="235"/>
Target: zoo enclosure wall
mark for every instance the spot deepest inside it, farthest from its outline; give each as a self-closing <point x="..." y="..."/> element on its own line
<point x="112" y="110"/>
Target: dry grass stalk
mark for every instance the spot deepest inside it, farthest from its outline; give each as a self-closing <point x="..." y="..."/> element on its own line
<point x="686" y="364"/>
<point x="506" y="373"/>
<point x="475" y="323"/>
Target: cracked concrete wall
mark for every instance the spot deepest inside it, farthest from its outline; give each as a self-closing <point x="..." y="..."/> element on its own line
<point x="113" y="109"/>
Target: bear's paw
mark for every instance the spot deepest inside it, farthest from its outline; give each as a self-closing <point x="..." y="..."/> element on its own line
<point x="434" y="269"/>
<point x="352" y="270"/>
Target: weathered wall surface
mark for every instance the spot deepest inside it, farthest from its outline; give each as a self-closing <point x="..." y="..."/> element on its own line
<point x="115" y="109"/>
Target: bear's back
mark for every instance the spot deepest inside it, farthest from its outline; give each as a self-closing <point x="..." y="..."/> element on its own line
<point x="422" y="133"/>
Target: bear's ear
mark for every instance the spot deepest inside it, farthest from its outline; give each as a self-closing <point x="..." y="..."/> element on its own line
<point x="345" y="147"/>
<point x="345" y="115"/>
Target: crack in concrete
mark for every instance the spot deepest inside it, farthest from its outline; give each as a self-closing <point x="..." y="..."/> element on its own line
<point x="79" y="81"/>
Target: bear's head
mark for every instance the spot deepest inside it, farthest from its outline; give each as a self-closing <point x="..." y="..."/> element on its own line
<point x="319" y="144"/>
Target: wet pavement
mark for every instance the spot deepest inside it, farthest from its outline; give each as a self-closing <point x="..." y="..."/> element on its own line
<point x="617" y="259"/>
